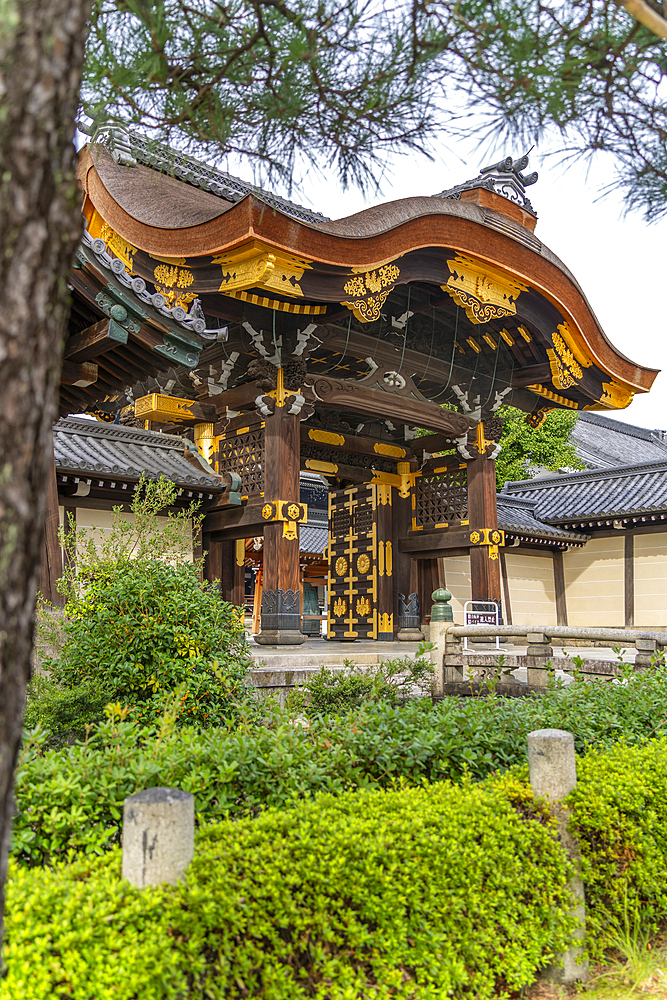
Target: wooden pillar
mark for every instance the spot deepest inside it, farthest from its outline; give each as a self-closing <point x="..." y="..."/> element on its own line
<point x="629" y="580"/>
<point x="559" y="587"/>
<point x="232" y="579"/>
<point x="51" y="564"/>
<point x="212" y="559"/>
<point x="483" y="513"/>
<point x="69" y="523"/>
<point x="281" y="615"/>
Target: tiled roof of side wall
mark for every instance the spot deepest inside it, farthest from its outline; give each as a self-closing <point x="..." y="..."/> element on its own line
<point x="629" y="490"/>
<point x="89" y="448"/>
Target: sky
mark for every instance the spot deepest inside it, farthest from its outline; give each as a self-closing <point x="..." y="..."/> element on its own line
<point x="620" y="262"/>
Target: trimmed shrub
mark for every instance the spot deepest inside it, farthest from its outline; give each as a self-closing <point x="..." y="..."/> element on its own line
<point x="620" y="822"/>
<point x="412" y="893"/>
<point x="71" y="800"/>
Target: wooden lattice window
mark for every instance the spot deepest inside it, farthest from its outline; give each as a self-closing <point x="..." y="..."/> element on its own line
<point x="244" y="454"/>
<point x="441" y="498"/>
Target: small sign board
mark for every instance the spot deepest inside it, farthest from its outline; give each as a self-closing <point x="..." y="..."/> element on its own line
<point x="480" y="613"/>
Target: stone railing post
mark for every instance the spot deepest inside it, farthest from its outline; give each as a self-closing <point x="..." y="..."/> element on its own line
<point x="646" y="648"/>
<point x="158" y="836"/>
<point x="553" y="775"/>
<point x="539" y="652"/>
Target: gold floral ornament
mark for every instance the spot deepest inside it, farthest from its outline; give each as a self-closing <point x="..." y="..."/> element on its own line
<point x="363" y="564"/>
<point x="340" y="607"/>
<point x="267" y="511"/>
<point x="363" y="607"/>
<point x="294" y="510"/>
<point x="475" y="537"/>
<point x="496" y="537"/>
<point x="380" y="282"/>
<point x="171" y="281"/>
<point x="341" y="566"/>
<point x="565" y="369"/>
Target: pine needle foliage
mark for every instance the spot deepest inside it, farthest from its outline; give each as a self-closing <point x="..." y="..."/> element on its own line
<point x="342" y="83"/>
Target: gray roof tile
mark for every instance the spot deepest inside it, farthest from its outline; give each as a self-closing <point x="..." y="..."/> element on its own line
<point x="517" y="516"/>
<point x="631" y="490"/>
<point x="84" y="446"/>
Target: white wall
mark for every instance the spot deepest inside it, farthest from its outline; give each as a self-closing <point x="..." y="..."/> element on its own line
<point x="457" y="582"/>
<point x="651" y="580"/>
<point x="594" y="583"/>
<point x="530" y="578"/>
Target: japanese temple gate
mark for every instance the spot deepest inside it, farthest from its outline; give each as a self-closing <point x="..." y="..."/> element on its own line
<point x="374" y="350"/>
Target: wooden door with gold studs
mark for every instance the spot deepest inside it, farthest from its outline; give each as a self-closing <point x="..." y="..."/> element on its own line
<point x="359" y="584"/>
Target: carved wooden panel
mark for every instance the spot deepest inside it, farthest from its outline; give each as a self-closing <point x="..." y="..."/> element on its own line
<point x="360" y="563"/>
<point x="441" y="498"/>
<point x="244" y="454"/>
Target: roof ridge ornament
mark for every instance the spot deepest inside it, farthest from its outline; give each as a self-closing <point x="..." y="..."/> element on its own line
<point x="505" y="178"/>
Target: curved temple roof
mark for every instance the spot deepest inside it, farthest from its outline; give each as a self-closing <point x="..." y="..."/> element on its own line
<point x="454" y="291"/>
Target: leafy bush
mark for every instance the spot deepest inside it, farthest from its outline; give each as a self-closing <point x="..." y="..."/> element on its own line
<point x="332" y="692"/>
<point x="140" y="625"/>
<point x="415" y="893"/>
<point x="72" y="799"/>
<point x="63" y="712"/>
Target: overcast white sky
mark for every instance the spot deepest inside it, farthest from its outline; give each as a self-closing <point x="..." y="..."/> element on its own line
<point x="619" y="262"/>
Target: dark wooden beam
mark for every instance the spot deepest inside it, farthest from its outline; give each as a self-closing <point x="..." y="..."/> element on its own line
<point x="247" y="519"/>
<point x="78" y="374"/>
<point x="428" y="543"/>
<point x="530" y="375"/>
<point x="95" y="340"/>
<point x="51" y="564"/>
<point x="629" y="580"/>
<point x="559" y="586"/>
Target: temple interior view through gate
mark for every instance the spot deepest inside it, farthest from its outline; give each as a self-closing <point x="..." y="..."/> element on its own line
<point x="372" y="352"/>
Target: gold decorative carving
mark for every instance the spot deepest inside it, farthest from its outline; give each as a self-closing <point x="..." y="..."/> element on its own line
<point x="267" y="511"/>
<point x="616" y="395"/>
<point x="340" y="607"/>
<point x="542" y="390"/>
<point x="328" y="468"/>
<point x="256" y="264"/>
<point x="363" y="564"/>
<point x="538" y="416"/>
<point x="341" y="566"/>
<point x="294" y="511"/>
<point x="385" y="623"/>
<point x="289" y="307"/>
<point x="171" y="280"/>
<point x="368" y="310"/>
<point x="326" y="437"/>
<point x="379" y="282"/>
<point x="475" y="537"/>
<point x="166" y="409"/>
<point x="525" y="334"/>
<point x="565" y="370"/>
<point x="388" y="559"/>
<point x="392" y="450"/>
<point x="483" y="291"/>
<point x="240" y="552"/>
<point x="507" y="337"/>
<point x="363" y="607"/>
<point x="120" y="247"/>
<point x="372" y="281"/>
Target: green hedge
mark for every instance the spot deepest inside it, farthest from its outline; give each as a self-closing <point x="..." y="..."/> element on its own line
<point x="417" y="893"/>
<point x="620" y="822"/>
<point x="71" y="799"/>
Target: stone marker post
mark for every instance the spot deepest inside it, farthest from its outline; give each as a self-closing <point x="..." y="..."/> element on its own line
<point x="553" y="775"/>
<point x="158" y="836"/>
<point x="538" y="652"/>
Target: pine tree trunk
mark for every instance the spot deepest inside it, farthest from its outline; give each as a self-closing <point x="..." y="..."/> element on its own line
<point x="41" y="54"/>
